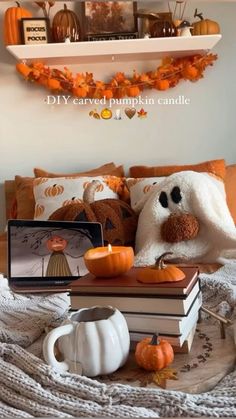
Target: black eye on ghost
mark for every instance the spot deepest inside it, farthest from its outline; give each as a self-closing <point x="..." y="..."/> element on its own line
<point x="175" y="196"/>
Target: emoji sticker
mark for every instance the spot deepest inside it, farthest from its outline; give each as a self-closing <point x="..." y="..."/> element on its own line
<point x="106" y="113"/>
<point x="94" y="114"/>
<point x="142" y="113"/>
<point x="130" y="112"/>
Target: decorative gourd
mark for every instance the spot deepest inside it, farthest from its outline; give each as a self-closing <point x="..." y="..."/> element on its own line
<point x="66" y="25"/>
<point x="12" y="17"/>
<point x="109" y="261"/>
<point x="160" y="272"/>
<point x="154" y="355"/>
<point x="119" y="221"/>
<point x="204" y="26"/>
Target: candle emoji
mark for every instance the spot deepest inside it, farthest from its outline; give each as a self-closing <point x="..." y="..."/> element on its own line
<point x="109" y="261"/>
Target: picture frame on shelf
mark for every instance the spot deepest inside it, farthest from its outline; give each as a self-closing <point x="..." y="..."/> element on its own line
<point x="109" y="20"/>
<point x="35" y="30"/>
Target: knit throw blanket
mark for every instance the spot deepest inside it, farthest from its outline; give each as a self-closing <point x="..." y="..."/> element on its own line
<point x="30" y="388"/>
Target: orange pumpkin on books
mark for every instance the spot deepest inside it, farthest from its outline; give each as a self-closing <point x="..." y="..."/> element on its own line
<point x="160" y="272"/>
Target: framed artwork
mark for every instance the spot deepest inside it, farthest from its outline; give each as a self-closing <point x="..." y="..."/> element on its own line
<point x="35" y="30"/>
<point x="103" y="19"/>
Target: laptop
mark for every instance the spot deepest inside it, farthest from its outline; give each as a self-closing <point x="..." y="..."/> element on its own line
<point x="48" y="255"/>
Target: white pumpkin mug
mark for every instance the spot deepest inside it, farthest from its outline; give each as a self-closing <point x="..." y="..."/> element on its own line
<point x="93" y="341"/>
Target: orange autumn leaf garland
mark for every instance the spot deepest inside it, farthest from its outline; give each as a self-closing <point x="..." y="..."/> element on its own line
<point x="83" y="85"/>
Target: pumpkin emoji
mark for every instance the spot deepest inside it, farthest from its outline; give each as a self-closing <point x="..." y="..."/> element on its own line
<point x="66" y="25"/>
<point x="106" y="113"/>
<point x="54" y="190"/>
<point x="153" y="354"/>
<point x="204" y="26"/>
<point x="160" y="272"/>
<point x="118" y="219"/>
<point x="12" y="17"/>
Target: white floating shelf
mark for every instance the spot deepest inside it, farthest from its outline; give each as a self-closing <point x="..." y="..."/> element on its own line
<point x="119" y="50"/>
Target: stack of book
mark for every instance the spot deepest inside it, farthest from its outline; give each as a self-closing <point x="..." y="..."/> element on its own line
<point x="169" y="309"/>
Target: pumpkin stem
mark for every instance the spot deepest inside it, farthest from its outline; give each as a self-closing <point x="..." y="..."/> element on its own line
<point x="65" y="6"/>
<point x="154" y="340"/>
<point x="160" y="261"/>
<point x="196" y="14"/>
<point x="18" y="4"/>
<point x="89" y="192"/>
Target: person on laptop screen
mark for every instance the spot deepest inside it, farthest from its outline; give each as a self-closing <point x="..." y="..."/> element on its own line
<point x="57" y="264"/>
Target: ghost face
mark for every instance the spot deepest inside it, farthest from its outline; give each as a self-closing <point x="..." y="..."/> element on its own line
<point x="56" y="244"/>
<point x="179" y="215"/>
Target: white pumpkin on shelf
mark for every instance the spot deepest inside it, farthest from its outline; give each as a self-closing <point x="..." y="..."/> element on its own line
<point x="93" y="341"/>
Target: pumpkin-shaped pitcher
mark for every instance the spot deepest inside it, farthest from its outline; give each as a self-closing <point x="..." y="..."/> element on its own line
<point x="93" y="341"/>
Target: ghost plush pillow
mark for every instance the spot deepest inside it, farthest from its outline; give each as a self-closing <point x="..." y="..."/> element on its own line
<point x="53" y="193"/>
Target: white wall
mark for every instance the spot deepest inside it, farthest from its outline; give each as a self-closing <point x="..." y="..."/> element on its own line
<point x="62" y="138"/>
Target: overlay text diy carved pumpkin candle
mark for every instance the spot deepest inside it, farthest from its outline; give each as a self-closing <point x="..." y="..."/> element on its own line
<point x="109" y="261"/>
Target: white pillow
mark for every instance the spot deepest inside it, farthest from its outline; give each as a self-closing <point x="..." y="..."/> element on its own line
<point x="53" y="193"/>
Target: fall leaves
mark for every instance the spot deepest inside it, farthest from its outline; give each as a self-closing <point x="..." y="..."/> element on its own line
<point x="82" y="85"/>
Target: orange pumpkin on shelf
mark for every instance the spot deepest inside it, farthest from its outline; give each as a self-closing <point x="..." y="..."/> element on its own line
<point x="133" y="91"/>
<point x="110" y="261"/>
<point x="204" y="26"/>
<point x="12" y="18"/>
<point x="162" y="84"/>
<point x="160" y="272"/>
<point x="66" y="24"/>
<point x="154" y="355"/>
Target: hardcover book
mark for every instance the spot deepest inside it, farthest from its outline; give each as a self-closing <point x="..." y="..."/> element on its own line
<point x="175" y="305"/>
<point x="129" y="284"/>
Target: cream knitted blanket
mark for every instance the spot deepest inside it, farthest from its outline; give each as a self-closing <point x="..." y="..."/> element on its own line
<point x="30" y="388"/>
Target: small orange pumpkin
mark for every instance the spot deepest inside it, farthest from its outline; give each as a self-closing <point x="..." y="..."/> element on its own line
<point x="107" y="93"/>
<point x="23" y="69"/>
<point x="80" y="92"/>
<point x="162" y="84"/>
<point x="204" y="26"/>
<point x="160" y="272"/>
<point x="133" y="91"/>
<point x="54" y="84"/>
<point x="54" y="190"/>
<point x="104" y="263"/>
<point x="154" y="355"/>
<point x="12" y="17"/>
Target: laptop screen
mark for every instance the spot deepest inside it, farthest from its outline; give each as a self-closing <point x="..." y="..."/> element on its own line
<point x="50" y="250"/>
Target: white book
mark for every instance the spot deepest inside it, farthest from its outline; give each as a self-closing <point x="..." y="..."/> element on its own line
<point x="177" y="341"/>
<point x="138" y="304"/>
<point x="166" y="324"/>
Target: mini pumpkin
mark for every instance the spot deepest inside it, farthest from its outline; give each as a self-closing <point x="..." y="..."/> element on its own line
<point x="153" y="354"/>
<point x="66" y="24"/>
<point x="204" y="26"/>
<point x="160" y="272"/>
<point x="12" y="17"/>
<point x="119" y="221"/>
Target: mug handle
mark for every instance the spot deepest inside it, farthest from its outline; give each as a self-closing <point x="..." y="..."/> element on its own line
<point x="48" y="347"/>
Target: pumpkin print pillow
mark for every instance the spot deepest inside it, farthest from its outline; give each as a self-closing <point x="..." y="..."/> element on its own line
<point x="53" y="193"/>
<point x="138" y="187"/>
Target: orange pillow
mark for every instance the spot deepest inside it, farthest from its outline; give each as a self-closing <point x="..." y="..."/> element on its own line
<point x="24" y="197"/>
<point x="106" y="169"/>
<point x="230" y="188"/>
<point x="216" y="167"/>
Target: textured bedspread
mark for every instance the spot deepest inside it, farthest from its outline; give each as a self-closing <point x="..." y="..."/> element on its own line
<point x="30" y="388"/>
